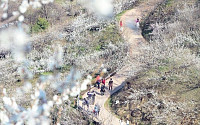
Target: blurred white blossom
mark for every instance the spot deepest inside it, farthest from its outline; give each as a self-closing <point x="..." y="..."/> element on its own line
<point x="102" y="8"/>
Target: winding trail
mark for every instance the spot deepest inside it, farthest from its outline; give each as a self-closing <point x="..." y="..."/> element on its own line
<point x="133" y="36"/>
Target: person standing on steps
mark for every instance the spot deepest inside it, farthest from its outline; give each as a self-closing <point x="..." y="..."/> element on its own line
<point x="110" y="84"/>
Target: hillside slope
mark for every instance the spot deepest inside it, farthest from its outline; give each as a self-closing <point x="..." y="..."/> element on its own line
<point x="165" y="90"/>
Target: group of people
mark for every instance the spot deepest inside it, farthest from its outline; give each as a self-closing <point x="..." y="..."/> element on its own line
<point x="102" y="82"/>
<point x="90" y="100"/>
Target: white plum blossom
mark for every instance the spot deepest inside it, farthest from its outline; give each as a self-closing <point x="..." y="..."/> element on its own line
<point x="24" y="6"/>
<point x="104" y="70"/>
<point x="27" y="87"/>
<point x="75" y="91"/>
<point x="85" y="83"/>
<point x="4" y="91"/>
<point x="102" y="8"/>
<point x="59" y="102"/>
<point x="55" y="97"/>
<point x="21" y="18"/>
<point x="5" y="15"/>
<point x="7" y="101"/>
<point x="4" y="118"/>
<point x="16" y="41"/>
<point x="36" y="4"/>
<point x="14" y="13"/>
<point x="66" y="97"/>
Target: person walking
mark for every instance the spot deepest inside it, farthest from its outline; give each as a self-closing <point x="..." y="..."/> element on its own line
<point x="85" y="102"/>
<point x="121" y="25"/>
<point x="121" y="122"/>
<point x="137" y="23"/>
<point x="127" y="122"/>
<point x="110" y="84"/>
<point x="91" y="96"/>
<point x="128" y="85"/>
<point x="96" y="109"/>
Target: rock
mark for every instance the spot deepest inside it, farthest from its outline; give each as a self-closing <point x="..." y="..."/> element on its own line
<point x="136" y="113"/>
<point x="163" y="78"/>
<point x="147" y="116"/>
<point x="149" y="95"/>
<point x="161" y="105"/>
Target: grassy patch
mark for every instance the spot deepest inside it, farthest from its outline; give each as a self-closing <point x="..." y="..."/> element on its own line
<point x="163" y="68"/>
<point x="66" y="68"/>
<point x="191" y="95"/>
<point x="60" y="1"/>
<point x="98" y="47"/>
<point x="46" y="73"/>
<point x="169" y="3"/>
<point x="118" y="16"/>
<point x="108" y="104"/>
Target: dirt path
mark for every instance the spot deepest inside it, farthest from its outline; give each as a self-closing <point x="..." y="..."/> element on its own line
<point x="133" y="36"/>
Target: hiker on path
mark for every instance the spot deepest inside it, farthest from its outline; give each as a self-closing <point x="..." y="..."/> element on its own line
<point x="127" y="122"/>
<point x="98" y="81"/>
<point x="91" y="96"/>
<point x="85" y="102"/>
<point x="121" y="25"/>
<point x="102" y="89"/>
<point x="138" y="23"/>
<point x="128" y="85"/>
<point x="121" y="122"/>
<point x="110" y="84"/>
<point x="96" y="109"/>
<point x="104" y="81"/>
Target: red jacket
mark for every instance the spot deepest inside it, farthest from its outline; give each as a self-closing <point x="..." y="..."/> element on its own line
<point x="120" y="23"/>
<point x="104" y="81"/>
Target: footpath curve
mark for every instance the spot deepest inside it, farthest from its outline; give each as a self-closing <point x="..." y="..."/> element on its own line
<point x="133" y="36"/>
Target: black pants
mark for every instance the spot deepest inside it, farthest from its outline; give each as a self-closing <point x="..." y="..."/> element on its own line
<point x="110" y="87"/>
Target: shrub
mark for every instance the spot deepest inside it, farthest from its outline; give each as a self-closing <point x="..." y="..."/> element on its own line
<point x="41" y="25"/>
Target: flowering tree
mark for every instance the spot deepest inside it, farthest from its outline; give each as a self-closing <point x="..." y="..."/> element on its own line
<point x="42" y="100"/>
<point x="161" y="91"/>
